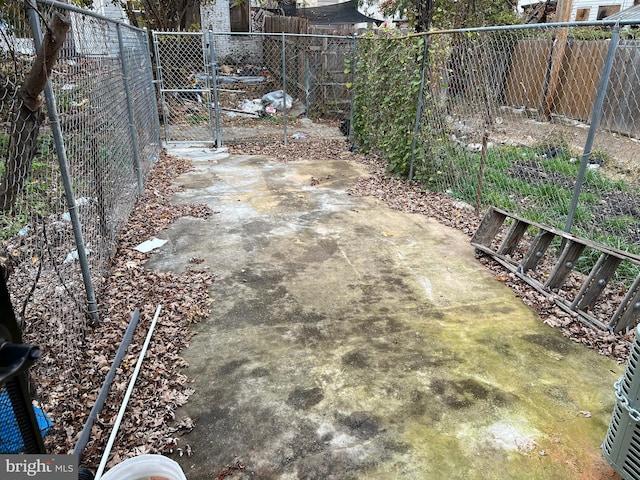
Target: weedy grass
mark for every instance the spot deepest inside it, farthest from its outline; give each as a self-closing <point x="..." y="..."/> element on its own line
<point x="527" y="182"/>
<point x="41" y="193"/>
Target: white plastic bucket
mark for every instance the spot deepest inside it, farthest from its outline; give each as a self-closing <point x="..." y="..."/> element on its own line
<point x="146" y="467"/>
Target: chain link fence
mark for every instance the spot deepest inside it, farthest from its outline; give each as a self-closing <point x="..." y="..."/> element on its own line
<point x="77" y="169"/>
<point x="517" y="111"/>
<point x="182" y="71"/>
<point x="539" y="120"/>
<point x="251" y="90"/>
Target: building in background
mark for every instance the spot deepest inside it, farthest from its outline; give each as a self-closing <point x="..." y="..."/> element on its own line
<point x="581" y="10"/>
<point x="107" y="9"/>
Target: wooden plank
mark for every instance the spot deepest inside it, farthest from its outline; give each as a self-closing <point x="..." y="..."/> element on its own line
<point x="489" y="227"/>
<point x="621" y="109"/>
<point x="536" y="250"/>
<point x="526" y="79"/>
<point x="564" y="265"/>
<point x="579" y="78"/>
<point x="570" y="237"/>
<point x="513" y="237"/>
<point x="583" y="317"/>
<point x="628" y="312"/>
<point x="597" y="280"/>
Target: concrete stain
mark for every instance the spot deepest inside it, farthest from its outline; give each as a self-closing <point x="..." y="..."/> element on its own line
<point x="349" y="341"/>
<point x="305" y="398"/>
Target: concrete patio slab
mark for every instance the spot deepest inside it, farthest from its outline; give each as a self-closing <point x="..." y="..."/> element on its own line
<point x="351" y="341"/>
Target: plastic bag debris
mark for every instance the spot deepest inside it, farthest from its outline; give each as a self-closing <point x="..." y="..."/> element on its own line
<point x="148" y="245"/>
<point x="81" y="105"/>
<point x="252" y="106"/>
<point x="277" y="100"/>
<point x="74" y="255"/>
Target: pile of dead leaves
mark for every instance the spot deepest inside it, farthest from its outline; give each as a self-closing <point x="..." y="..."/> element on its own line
<point x="293" y="150"/>
<point x="149" y="424"/>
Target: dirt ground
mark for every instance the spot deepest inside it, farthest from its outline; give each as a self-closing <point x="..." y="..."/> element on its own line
<point x="237" y="130"/>
<point x="619" y="152"/>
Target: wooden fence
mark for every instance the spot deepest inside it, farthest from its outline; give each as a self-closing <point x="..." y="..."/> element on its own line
<point x="622" y="105"/>
<point x="280" y="24"/>
<point x="534" y="74"/>
<point x="314" y="65"/>
<point x="580" y="70"/>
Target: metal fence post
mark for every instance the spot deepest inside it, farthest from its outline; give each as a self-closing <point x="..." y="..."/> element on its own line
<point x="132" y="120"/>
<point x="92" y="304"/>
<point x="595" y="118"/>
<point x="163" y="102"/>
<point x="284" y="88"/>
<point x="416" y="126"/>
<point x="149" y="44"/>
<point x="214" y="86"/>
<point x="354" y="57"/>
<point x="206" y="52"/>
<point x="307" y="83"/>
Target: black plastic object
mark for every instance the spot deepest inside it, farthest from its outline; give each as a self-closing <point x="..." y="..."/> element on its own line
<point x="85" y="474"/>
<point x="15" y="360"/>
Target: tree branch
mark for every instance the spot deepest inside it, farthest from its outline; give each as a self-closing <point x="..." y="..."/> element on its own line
<point x="27" y="113"/>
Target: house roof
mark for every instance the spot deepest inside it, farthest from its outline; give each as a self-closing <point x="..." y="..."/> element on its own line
<point x="338" y="13"/>
<point x="632" y="13"/>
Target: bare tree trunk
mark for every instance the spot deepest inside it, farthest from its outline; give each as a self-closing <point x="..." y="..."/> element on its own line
<point x="28" y="114"/>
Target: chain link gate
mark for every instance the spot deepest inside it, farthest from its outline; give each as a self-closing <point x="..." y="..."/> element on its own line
<point x="216" y="86"/>
<point x="185" y="84"/>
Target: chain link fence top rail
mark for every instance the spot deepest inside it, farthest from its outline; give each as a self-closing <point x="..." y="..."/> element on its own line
<point x="102" y="131"/>
<point x="251" y="89"/>
<point x="504" y="118"/>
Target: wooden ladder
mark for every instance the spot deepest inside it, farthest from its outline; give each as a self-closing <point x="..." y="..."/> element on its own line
<point x="502" y="236"/>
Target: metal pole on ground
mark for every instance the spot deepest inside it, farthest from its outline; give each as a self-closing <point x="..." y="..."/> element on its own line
<point x="132" y="120"/>
<point x="127" y="396"/>
<point x="104" y="391"/>
<point x="593" y="127"/>
<point x="92" y="304"/>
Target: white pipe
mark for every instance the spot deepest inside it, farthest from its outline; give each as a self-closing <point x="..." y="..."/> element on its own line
<point x="123" y="407"/>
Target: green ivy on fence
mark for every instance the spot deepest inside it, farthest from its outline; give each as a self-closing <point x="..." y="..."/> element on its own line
<point x="466" y="102"/>
<point x="386" y="86"/>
